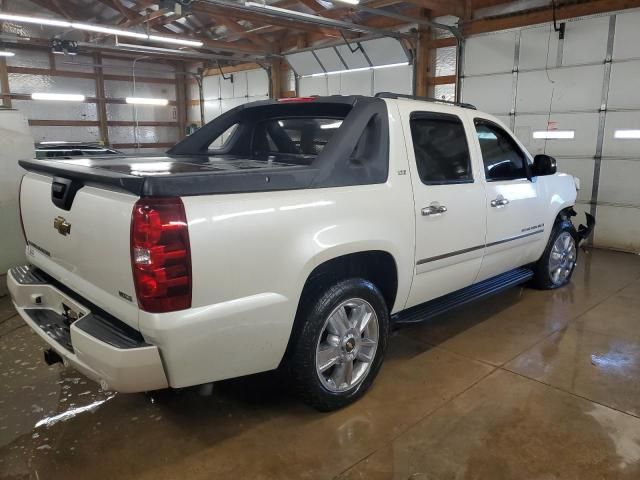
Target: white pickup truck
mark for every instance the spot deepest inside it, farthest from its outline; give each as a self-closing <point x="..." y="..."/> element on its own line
<point x="286" y="234"/>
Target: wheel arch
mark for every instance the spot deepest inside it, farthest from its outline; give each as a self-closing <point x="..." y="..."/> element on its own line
<point x="378" y="266"/>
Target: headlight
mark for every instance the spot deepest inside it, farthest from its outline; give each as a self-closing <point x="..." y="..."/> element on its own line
<point x="576" y="180"/>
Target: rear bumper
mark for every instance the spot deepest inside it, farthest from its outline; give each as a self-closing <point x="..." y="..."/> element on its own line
<point x="98" y="345"/>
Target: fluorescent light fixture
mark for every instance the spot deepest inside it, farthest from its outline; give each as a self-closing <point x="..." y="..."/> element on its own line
<point x="352" y="2"/>
<point x="363" y="69"/>
<point x="108" y="31"/>
<point x="627" y="134"/>
<point x="61" y="97"/>
<point x="36" y="20"/>
<point x="147" y="101"/>
<point x="330" y="126"/>
<point x="554" y="134"/>
<point x="177" y="41"/>
<point x="99" y="29"/>
<point x="6" y="54"/>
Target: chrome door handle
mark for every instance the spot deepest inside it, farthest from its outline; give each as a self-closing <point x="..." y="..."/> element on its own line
<point x="499" y="202"/>
<point x="433" y="210"/>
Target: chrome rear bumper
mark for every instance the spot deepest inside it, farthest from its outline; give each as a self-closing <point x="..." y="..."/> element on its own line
<point x="98" y="345"/>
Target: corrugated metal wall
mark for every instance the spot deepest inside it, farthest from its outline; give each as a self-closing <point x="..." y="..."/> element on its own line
<point x="586" y="83"/>
<point x="152" y="127"/>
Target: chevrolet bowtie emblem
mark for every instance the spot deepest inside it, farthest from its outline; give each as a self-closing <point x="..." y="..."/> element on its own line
<point x="62" y="226"/>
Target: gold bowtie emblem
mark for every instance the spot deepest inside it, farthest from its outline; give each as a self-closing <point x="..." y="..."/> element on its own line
<point x="62" y="226"/>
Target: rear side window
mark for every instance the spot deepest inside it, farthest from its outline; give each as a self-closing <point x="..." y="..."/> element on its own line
<point x="502" y="158"/>
<point x="295" y="136"/>
<point x="441" y="149"/>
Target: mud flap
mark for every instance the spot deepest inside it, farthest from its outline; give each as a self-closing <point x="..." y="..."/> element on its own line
<point x="584" y="231"/>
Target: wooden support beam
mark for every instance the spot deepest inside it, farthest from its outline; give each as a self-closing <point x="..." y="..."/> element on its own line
<point x="4" y="83"/>
<point x="235" y="27"/>
<point x="181" y="100"/>
<point x="277" y="79"/>
<point x="423" y="68"/>
<point x="563" y="12"/>
<point x="101" y="98"/>
<point x="442" y="80"/>
<point x="442" y="7"/>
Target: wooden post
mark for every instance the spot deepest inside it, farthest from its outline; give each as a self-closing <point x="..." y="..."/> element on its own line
<point x="181" y="99"/>
<point x="101" y="101"/>
<point x="4" y="83"/>
<point x="277" y="80"/>
<point x="423" y="58"/>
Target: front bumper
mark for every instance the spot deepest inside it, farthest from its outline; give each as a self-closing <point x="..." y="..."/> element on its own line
<point x="98" y="345"/>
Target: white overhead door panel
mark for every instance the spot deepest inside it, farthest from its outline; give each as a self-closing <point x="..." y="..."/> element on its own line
<point x="258" y="83"/>
<point x="490" y="53"/>
<point x="623" y="87"/>
<point x="313" y="86"/>
<point x="491" y="93"/>
<point x="585" y="41"/>
<point x="239" y="84"/>
<point x="356" y="83"/>
<point x="618" y="228"/>
<point x="572" y="88"/>
<point x="211" y="87"/>
<point x="627" y="37"/>
<point x="621" y="147"/>
<point x="619" y="182"/>
<point x="353" y="59"/>
<point x="385" y="51"/>
<point x="584" y="125"/>
<point x="334" y="83"/>
<point x="537" y="47"/>
<point x="330" y="59"/>
<point x="304" y="63"/>
<point x="226" y="88"/>
<point x="393" y="79"/>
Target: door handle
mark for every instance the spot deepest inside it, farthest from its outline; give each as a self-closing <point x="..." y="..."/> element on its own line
<point x="499" y="202"/>
<point x="433" y="210"/>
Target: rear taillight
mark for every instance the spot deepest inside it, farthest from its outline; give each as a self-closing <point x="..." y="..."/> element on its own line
<point x="160" y="255"/>
<point x="24" y="233"/>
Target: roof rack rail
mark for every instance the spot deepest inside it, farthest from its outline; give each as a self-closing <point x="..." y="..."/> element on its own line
<point x="424" y="99"/>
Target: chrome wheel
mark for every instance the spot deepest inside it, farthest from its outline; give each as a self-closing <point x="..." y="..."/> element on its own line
<point x="562" y="259"/>
<point x="347" y="345"/>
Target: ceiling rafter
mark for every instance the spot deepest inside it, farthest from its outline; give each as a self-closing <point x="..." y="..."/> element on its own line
<point x="235" y="27"/>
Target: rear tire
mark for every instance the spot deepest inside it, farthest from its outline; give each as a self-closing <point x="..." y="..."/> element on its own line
<point x="556" y="266"/>
<point x="339" y="345"/>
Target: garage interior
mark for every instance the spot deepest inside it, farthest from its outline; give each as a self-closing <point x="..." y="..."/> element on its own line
<point x="526" y="384"/>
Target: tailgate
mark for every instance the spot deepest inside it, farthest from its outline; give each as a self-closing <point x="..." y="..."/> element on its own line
<point x="86" y="247"/>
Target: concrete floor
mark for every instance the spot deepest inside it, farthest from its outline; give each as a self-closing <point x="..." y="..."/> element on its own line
<point x="527" y="385"/>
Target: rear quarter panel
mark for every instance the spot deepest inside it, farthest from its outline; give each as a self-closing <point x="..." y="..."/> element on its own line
<point x="251" y="256"/>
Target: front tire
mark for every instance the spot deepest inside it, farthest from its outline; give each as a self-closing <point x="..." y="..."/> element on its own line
<point x="556" y="266"/>
<point x="340" y="344"/>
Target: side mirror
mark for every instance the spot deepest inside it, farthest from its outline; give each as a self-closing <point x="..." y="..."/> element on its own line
<point x="543" y="165"/>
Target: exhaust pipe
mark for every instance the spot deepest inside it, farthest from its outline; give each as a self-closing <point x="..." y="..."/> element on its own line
<point x="51" y="357"/>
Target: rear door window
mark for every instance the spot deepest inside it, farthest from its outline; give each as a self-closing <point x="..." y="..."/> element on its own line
<point x="441" y="149"/>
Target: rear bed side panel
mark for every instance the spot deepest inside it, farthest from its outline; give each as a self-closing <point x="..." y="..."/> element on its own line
<point x="94" y="259"/>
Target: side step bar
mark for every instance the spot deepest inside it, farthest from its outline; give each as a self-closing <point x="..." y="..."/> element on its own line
<point x="443" y="304"/>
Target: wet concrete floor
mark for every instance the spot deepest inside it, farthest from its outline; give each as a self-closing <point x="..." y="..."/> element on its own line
<point x="524" y="385"/>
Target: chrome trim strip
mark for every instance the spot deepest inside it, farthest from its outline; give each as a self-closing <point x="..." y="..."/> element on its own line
<point x="447" y="255"/>
<point x="471" y="249"/>
<point x="517" y="237"/>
